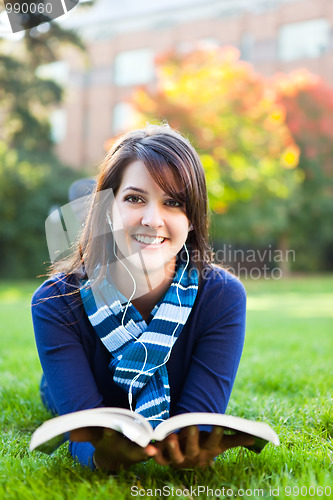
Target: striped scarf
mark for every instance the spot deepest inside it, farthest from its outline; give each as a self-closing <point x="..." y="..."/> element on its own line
<point x="140" y="350"/>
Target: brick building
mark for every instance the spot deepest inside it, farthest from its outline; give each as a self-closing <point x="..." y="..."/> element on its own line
<point x="123" y="38"/>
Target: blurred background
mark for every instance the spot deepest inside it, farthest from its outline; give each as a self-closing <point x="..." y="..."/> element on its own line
<point x="250" y="82"/>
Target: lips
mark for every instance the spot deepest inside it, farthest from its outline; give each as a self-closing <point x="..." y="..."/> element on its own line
<point x="149" y="240"/>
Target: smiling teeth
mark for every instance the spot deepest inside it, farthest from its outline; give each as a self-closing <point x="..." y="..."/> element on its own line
<point x="148" y="240"/>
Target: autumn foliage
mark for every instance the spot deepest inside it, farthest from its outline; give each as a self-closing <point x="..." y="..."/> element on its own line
<point x="258" y="138"/>
<point x="234" y="119"/>
<point x="308" y="104"/>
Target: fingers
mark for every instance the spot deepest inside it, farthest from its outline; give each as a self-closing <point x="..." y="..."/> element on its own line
<point x="114" y="451"/>
<point x="173" y="448"/>
<point x="194" y="454"/>
<point x="183" y="450"/>
<point x="85" y="434"/>
<point x="192" y="448"/>
<point x="150" y="450"/>
<point x="160" y="458"/>
<point x="239" y="439"/>
<point x="168" y="451"/>
<point x="126" y="449"/>
<point x="214" y="439"/>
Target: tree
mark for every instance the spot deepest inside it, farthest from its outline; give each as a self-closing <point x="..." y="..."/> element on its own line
<point x="25" y="98"/>
<point x="308" y="102"/>
<point x="31" y="177"/>
<point x="27" y="191"/>
<point x="234" y="118"/>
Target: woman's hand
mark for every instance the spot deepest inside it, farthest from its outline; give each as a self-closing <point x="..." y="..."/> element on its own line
<point x="190" y="449"/>
<point x="113" y="451"/>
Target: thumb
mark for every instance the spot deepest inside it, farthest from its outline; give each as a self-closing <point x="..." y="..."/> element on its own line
<point x="150" y="450"/>
<point x="239" y="439"/>
<point x="86" y="434"/>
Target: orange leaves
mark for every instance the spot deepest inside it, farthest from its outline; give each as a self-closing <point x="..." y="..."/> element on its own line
<point x="290" y="157"/>
<point x="277" y="115"/>
<point x="290" y="85"/>
<point x="234" y="116"/>
<point x="145" y="101"/>
<point x="308" y="102"/>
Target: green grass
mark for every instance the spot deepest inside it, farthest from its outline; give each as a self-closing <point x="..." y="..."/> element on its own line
<point x="285" y="379"/>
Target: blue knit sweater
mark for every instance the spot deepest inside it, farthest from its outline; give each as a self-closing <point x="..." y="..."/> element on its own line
<point x="202" y="366"/>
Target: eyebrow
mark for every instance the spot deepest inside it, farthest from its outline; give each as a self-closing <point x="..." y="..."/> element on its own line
<point x="132" y="188"/>
<point x="139" y="190"/>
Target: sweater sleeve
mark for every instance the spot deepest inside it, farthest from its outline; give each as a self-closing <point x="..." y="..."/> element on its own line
<point x="56" y="320"/>
<point x="217" y="352"/>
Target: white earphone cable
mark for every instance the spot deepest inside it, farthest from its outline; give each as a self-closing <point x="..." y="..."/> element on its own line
<point x="167" y="357"/>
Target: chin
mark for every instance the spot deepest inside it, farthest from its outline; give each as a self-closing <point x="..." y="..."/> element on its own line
<point x="144" y="261"/>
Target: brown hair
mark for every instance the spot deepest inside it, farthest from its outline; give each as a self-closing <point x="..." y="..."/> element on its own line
<point x="163" y="151"/>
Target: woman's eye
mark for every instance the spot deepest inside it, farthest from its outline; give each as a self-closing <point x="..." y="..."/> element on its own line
<point x="133" y="199"/>
<point x="173" y="203"/>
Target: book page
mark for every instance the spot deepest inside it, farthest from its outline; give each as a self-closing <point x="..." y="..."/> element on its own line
<point x="256" y="429"/>
<point x="52" y="433"/>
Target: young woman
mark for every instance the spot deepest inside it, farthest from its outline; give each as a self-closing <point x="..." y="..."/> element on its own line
<point x="138" y="317"/>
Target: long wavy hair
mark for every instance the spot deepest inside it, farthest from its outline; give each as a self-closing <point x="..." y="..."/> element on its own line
<point x="175" y="167"/>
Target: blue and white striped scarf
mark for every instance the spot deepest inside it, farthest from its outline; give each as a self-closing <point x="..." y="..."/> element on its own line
<point x="140" y="350"/>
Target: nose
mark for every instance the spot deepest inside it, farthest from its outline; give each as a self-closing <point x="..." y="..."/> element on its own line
<point x="152" y="216"/>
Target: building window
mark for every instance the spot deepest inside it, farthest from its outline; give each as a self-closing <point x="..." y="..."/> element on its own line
<point x="123" y="117"/>
<point x="246" y="47"/>
<point x="208" y="43"/>
<point x="134" y="67"/>
<point x="308" y="39"/>
<point x="58" y="122"/>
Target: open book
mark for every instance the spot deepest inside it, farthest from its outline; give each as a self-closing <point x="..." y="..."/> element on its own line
<point x="135" y="427"/>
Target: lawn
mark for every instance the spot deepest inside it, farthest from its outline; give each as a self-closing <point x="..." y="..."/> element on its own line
<point x="285" y="379"/>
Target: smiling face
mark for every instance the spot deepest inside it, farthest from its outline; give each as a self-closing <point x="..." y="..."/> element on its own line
<point x="149" y="226"/>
